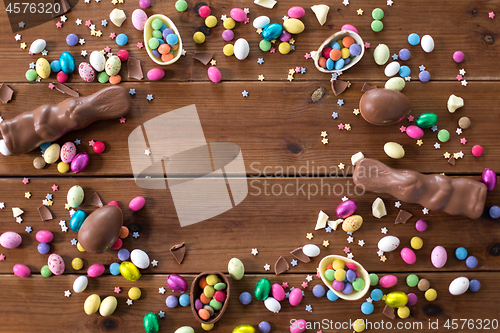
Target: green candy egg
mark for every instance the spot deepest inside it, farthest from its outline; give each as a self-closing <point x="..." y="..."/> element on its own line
<point x="102" y="77"/>
<point x="262" y="289"/>
<point x="412" y="280"/>
<point x="220" y="286"/>
<point x="265" y="45"/>
<point x="373" y="279"/>
<point x="330" y="274"/>
<point x="216" y="305"/>
<point x="31" y="75"/>
<point x="129" y="271"/>
<point x="157" y="24"/>
<point x="443" y="135"/>
<point x="45" y="271"/>
<point x="181" y="5"/>
<point x="358" y="284"/>
<point x="377" y="14"/>
<point x="244" y="329"/>
<point x="396" y="299"/>
<point x="153" y="43"/>
<point x="156" y="34"/>
<point x="151" y="323"/>
<point x="377" y="25"/>
<point x="427" y="120"/>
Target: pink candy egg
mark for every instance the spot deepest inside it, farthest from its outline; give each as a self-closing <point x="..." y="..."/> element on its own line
<point x="118" y="244"/>
<point x="80" y="162"/>
<point x="136" y="204"/>
<point x="62" y="77"/>
<point x="95" y="270"/>
<point x="144" y="3"/>
<point x="156" y="74"/>
<point x="349" y="27"/>
<point x="439" y="256"/>
<point x="278" y="292"/>
<point x="299" y="326"/>
<point x="114" y="203"/>
<point x="351" y="266"/>
<point x="220" y="296"/>
<point x="123" y="55"/>
<point x="214" y="74"/>
<point x="388" y="281"/>
<point x="139" y="18"/>
<point x="99" y="147"/>
<point x="295" y="296"/>
<point x="458" y="56"/>
<point x="489" y="178"/>
<point x="238" y="14"/>
<point x="414" y="132"/>
<point x="22" y="271"/>
<point x="44" y="236"/>
<point x="477" y="150"/>
<point x="68" y="152"/>
<point x="296" y="12"/>
<point x="87" y="73"/>
<point x="346" y="208"/>
<point x="408" y="256"/>
<point x="56" y="264"/>
<point x="228" y="35"/>
<point x="10" y="240"/>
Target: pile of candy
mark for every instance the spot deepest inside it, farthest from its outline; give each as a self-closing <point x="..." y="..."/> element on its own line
<point x="163" y="41"/>
<point x="212" y="298"/>
<point x="344" y="276"/>
<point x="339" y="53"/>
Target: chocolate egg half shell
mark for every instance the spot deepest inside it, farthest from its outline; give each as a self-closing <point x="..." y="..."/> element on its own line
<point x="101" y="229"/>
<point x="384" y="106"/>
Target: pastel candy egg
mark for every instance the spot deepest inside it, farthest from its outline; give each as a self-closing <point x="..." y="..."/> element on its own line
<point x="278" y="292"/>
<point x="91" y="304"/>
<point x="67" y="62"/>
<point x="298" y="326"/>
<point x="236" y="269"/>
<point x="129" y="271"/>
<point x="414" y="132"/>
<point x="177" y="283"/>
<point x="86" y="72"/>
<point x="184" y="329"/>
<point x="346" y="208"/>
<point x="156" y="74"/>
<point x="10" y="240"/>
<point x="241" y="49"/>
<point x="38" y="46"/>
<point x="80" y="162"/>
<point x="392" y="69"/>
<point x="459" y="286"/>
<point x="408" y="256"/>
<point x="260" y="22"/>
<point x="294" y="26"/>
<point x="272" y="31"/>
<point x="51" y="154"/>
<point x="42" y="68"/>
<point x="388" y="281"/>
<point x="77" y="220"/>
<point x="113" y="65"/>
<point x="97" y="60"/>
<point x="21" y="270"/>
<point x="396" y="299"/>
<point x="296" y="12"/>
<point x="80" y="284"/>
<point x="352" y="223"/>
<point x="214" y="74"/>
<point x="295" y="296"/>
<point x="427" y="43"/>
<point x="137" y="203"/>
<point x="395" y="83"/>
<point x="388" y="243"/>
<point x="381" y="54"/>
<point x="439" y="256"/>
<point x="108" y="306"/>
<point x="349" y="27"/>
<point x="44" y="236"/>
<point x="68" y="152"/>
<point x="139" y="18"/>
<point x="238" y="14"/>
<point x="272" y="305"/>
<point x="56" y="264"/>
<point x="75" y="196"/>
<point x="394" y="150"/>
<point x="311" y="250"/>
<point x="121" y="40"/>
<point x="95" y="270"/>
<point x="139" y="258"/>
<point x="146" y="3"/>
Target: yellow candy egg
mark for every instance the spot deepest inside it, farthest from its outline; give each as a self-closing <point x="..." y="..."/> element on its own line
<point x="244" y="329"/>
<point x="396" y="299"/>
<point x="42" y="68"/>
<point x="359" y="325"/>
<point x="345" y="53"/>
<point x="134" y="293"/>
<point x="340" y="274"/>
<point x="228" y="50"/>
<point x="108" y="306"/>
<point x="431" y="294"/>
<point x="209" y="291"/>
<point x="77" y="264"/>
<point x="352" y="223"/>
<point x="212" y="279"/>
<point x="207" y="327"/>
<point x="211" y="21"/>
<point x="338" y="264"/>
<point x="294" y="26"/>
<point x="284" y="48"/>
<point x="199" y="37"/>
<point x="92" y="304"/>
<point x="416" y="243"/>
<point x="79" y="247"/>
<point x="403" y="312"/>
<point x="62" y="167"/>
<point x="129" y="271"/>
<point x="229" y="23"/>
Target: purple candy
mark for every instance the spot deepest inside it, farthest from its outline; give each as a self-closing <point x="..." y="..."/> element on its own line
<point x="72" y="39"/>
<point x="156" y="53"/>
<point x="319" y="290"/>
<point x="421" y="225"/>
<point x="412" y="299"/>
<point x="471" y="262"/>
<point x="79" y="162"/>
<point x="355" y="49"/>
<point x="351" y="275"/>
<point x="346" y="208"/>
<point x="43" y="248"/>
<point x="285" y="36"/>
<point x="424" y="76"/>
<point x="227" y="35"/>
<point x="144" y="3"/>
<point x="404" y="54"/>
<point x="177" y="283"/>
<point x="338" y="285"/>
<point x="172" y="301"/>
<point x="489" y="178"/>
<point x="347" y="61"/>
<point x="167" y="32"/>
<point x="458" y="56"/>
<point x="347" y="289"/>
<point x="123" y="254"/>
<point x="198" y="304"/>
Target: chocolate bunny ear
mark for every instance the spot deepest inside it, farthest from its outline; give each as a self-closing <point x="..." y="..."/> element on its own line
<point x="111" y="103"/>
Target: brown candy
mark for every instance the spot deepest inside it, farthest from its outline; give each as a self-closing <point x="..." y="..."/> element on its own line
<point x="384" y="106"/>
<point x="101" y="229"/>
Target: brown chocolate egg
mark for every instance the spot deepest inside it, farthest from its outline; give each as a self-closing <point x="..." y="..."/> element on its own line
<point x="384" y="106"/>
<point x="101" y="229"/>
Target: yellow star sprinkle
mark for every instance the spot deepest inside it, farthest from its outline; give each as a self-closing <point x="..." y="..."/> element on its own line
<point x="291" y="71"/>
<point x="261" y="77"/>
<point x="324" y="134"/>
<point x="50" y="202"/>
<point x="27" y="195"/>
<point x="98" y="33"/>
<point x="120" y="1"/>
<point x="356" y="111"/>
<point x="213" y="62"/>
<point x="324" y="141"/>
<point x="360" y="11"/>
<point x="420" y="142"/>
<point x="103" y="52"/>
<point x="347" y="127"/>
<point x="291" y="41"/>
<point x="23" y="45"/>
<point x="67" y="206"/>
<point x="326" y="243"/>
<point x="309" y="236"/>
<point x="383" y="258"/>
<point x="147" y="152"/>
<point x="348" y="84"/>
<point x="92" y="32"/>
<point x="290" y="78"/>
<point x="341" y="166"/>
<point x="456" y="156"/>
<point x="447" y="155"/>
<point x="273" y="41"/>
<point x="259" y="31"/>
<point x="114" y="2"/>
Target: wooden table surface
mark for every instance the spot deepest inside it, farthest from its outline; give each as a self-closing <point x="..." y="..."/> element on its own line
<point x="278" y="129"/>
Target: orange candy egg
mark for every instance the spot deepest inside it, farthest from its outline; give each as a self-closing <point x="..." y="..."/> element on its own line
<point x="335" y="54"/>
<point x="204" y="314"/>
<point x="203" y="283"/>
<point x="164" y="48"/>
<point x="204" y="299"/>
<point x="347" y="41"/>
<point x="167" y="57"/>
<point x="322" y="62"/>
<point x="115" y="79"/>
<point x="123" y="232"/>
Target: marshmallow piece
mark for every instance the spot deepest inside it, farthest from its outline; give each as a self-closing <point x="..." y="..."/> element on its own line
<point x="16" y="211"/>
<point x="335" y="224"/>
<point x="265" y="3"/>
<point x="322" y="219"/>
<point x="117" y="16"/>
<point x="321" y="12"/>
<point x="357" y="157"/>
<point x="455" y="102"/>
<point x="378" y="208"/>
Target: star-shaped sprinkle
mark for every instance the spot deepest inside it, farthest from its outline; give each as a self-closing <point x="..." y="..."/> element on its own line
<point x="361" y="242"/>
<point x="113" y="35"/>
<point x="345" y="2"/>
<point x="420" y="142"/>
<point x="107" y="49"/>
<point x="135" y="234"/>
<point x="184" y="52"/>
<point x="309" y="278"/>
<point x="161" y="290"/>
<point x="22" y="24"/>
<point x="26" y="180"/>
<point x="38" y="79"/>
<point x="223" y="18"/>
<point x="464" y="83"/>
<point x="123" y="119"/>
<point x="326" y="243"/>
<point x="360" y="11"/>
<point x="81" y="41"/>
<point x="341" y="166"/>
<point x="307" y="55"/>
<point x="154" y="263"/>
<point x="255" y="251"/>
<point x="302" y="70"/>
<point x="64" y="18"/>
<point x="356" y="112"/>
<point x="88" y="23"/>
<point x="129" y="302"/>
<point x="18" y="37"/>
<point x="462" y="71"/>
<point x="91" y="143"/>
<point x="304" y="284"/>
<point x="78" y="22"/>
<point x="367" y="45"/>
<point x="407" y="78"/>
<point x="447" y="155"/>
<point x="272" y="50"/>
<point x="397" y="204"/>
<point x="55" y="187"/>
<point x="147" y="152"/>
<point x="244" y="93"/>
<point x="261" y="77"/>
<point x="383" y="258"/>
<point x="384" y="230"/>
<point x="22" y="45"/>
<point x="64" y="229"/>
<point x="340" y="126"/>
<point x="463" y="141"/>
<point x="389" y="2"/>
<point x="32" y="65"/>
<point x="491" y="15"/>
<point x="334" y="76"/>
<point x="410" y="118"/>
<point x="98" y="33"/>
<point x="260" y="61"/>
<point x="324" y="134"/>
<point x="350" y="239"/>
<point x="349" y="233"/>
<point x="458" y="131"/>
<point x="2" y="257"/>
<point x="347" y="127"/>
<point x="369" y="300"/>
<point x="104" y="22"/>
<point x="434" y="128"/>
<point x="422" y="68"/>
<point x="380" y="253"/>
<point x="437" y="145"/>
<point x="267" y="267"/>
<point x="459" y="77"/>
<point x="284" y="18"/>
<point x="328" y="229"/>
<point x="340" y="102"/>
<point x="284" y="285"/>
<point x="246" y="10"/>
<point x="213" y="62"/>
<point x="71" y="212"/>
<point x="395" y="57"/>
<point x="402" y="129"/>
<point x="294" y="262"/>
<point x="150" y="97"/>
<point x="117" y="290"/>
<point x="27" y="195"/>
<point x="297" y="70"/>
<point x="290" y="77"/>
<point x="67" y="293"/>
<point x="84" y="53"/>
<point x="309" y="236"/>
<point x="28" y="229"/>
<point x="62" y="223"/>
<point x="74" y="241"/>
<point x="78" y="141"/>
<point x="59" y="25"/>
<point x="335" y="115"/>
<point x="460" y="154"/>
<point x="161" y="314"/>
<point x="140" y="45"/>
<point x="350" y="255"/>
<point x="425" y="211"/>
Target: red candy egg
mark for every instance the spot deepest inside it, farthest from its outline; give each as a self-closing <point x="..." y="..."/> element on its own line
<point x="118" y="244"/>
<point x="99" y="147"/>
<point x="123" y="55"/>
<point x="204" y="11"/>
<point x="477" y="150"/>
<point x="62" y="77"/>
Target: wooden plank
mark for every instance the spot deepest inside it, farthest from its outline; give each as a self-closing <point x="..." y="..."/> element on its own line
<point x="280" y="136"/>
<point x="273" y="223"/>
<point x="29" y="303"/>
<point x="462" y="26"/>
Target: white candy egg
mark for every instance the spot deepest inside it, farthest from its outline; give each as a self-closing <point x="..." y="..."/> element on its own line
<point x="459" y="286"/>
<point x="272" y="304"/>
<point x="388" y="243"/>
<point x="38" y="46"/>
<point x="241" y="49"/>
<point x="427" y="43"/>
<point x="80" y="284"/>
<point x="392" y="69"/>
<point x="139" y="258"/>
<point x="311" y="250"/>
<point x="260" y="22"/>
<point x="97" y="60"/>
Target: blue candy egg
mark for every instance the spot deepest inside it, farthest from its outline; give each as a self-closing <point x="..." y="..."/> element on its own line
<point x="272" y="31"/>
<point x="43" y="248"/>
<point x="121" y="39"/>
<point x="339" y="64"/>
<point x="114" y="268"/>
<point x="163" y="27"/>
<point x="330" y="64"/>
<point x="319" y="290"/>
<point x="376" y="295"/>
<point x="414" y="39"/>
<point x="54" y="66"/>
<point x="184" y="300"/>
<point x="461" y="253"/>
<point x="331" y="296"/>
<point x="474" y="285"/>
<point x="172" y="39"/>
<point x="367" y="308"/>
<point x="404" y="71"/>
<point x="351" y="275"/>
<point x="404" y="54"/>
<point x="161" y="41"/>
<point x="355" y="50"/>
<point x="424" y="76"/>
<point x="245" y="298"/>
<point x="123" y="254"/>
<point x="264" y="327"/>
<point x="72" y="39"/>
<point x="67" y="63"/>
<point x="471" y="262"/>
<point x="335" y="45"/>
<point x="77" y="220"/>
<point x="171" y="301"/>
<point x="494" y="212"/>
<point x="347" y="61"/>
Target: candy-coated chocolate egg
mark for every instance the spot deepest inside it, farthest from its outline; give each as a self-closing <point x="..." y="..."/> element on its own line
<point x="384" y="106"/>
<point x="10" y="240"/>
<point x="151" y="323"/>
<point x="489" y="178"/>
<point x="396" y="299"/>
<point x="294" y="26"/>
<point x="95" y="270"/>
<point x="155" y="74"/>
<point x="139" y="258"/>
<point x="139" y="18"/>
<point x="346" y="208"/>
<point x="414" y="132"/>
<point x="352" y="223"/>
<point x="262" y="289"/>
<point x="388" y="281"/>
<point x="260" y="22"/>
<point x="108" y="306"/>
<point x="272" y="31"/>
<point x="184" y="329"/>
<point x="79" y="162"/>
<point x="51" y="154"/>
<point x="101" y="229"/>
<point x="244" y="329"/>
<point x="129" y="271"/>
<point x="75" y="196"/>
<point x="97" y="60"/>
<point x="68" y="152"/>
<point x="80" y="284"/>
<point x="459" y="286"/>
<point x="311" y="250"/>
<point x="408" y="256"/>
<point x="381" y="54"/>
<point x="238" y="14"/>
<point x="67" y="62"/>
<point x="92" y="304"/>
<point x="236" y="268"/>
<point x="439" y="256"/>
<point x="56" y="264"/>
<point x="278" y="292"/>
<point x="77" y="220"/>
<point x="295" y="296"/>
<point x="177" y="283"/>
<point x="137" y="203"/>
<point x="388" y="243"/>
<point x="43" y="236"/>
<point x="42" y="68"/>
<point x="113" y="65"/>
<point x="272" y="305"/>
<point x="427" y="43"/>
<point x="87" y="73"/>
<point x="21" y="270"/>
<point x="214" y="74"/>
<point x="38" y="46"/>
<point x="241" y="49"/>
<point x="296" y="12"/>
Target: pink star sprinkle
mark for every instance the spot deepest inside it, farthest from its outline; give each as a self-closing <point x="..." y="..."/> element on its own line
<point x="122" y="120"/>
<point x="367" y="45"/>
<point x="51" y="86"/>
<point x="459" y="77"/>
<point x="25" y="180"/>
<point x="307" y="55"/>
<point x="112" y="35"/>
<point x="107" y="49"/>
<point x="402" y="129"/>
<point x="30" y="53"/>
<point x="247" y="20"/>
<point x="305" y="284"/>
<point x="59" y="24"/>
<point x="341" y="126"/>
<point x="272" y="50"/>
<point x="117" y="290"/>
<point x="139" y="45"/>
<point x="91" y="143"/>
<point x="491" y="15"/>
<point x="55" y="187"/>
<point x="347" y="249"/>
<point x="284" y="285"/>
<point x="88" y="23"/>
<point x="410" y="118"/>
<point x="463" y="141"/>
<point x="297" y="69"/>
<point x="2" y="257"/>
<point x="318" y="275"/>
